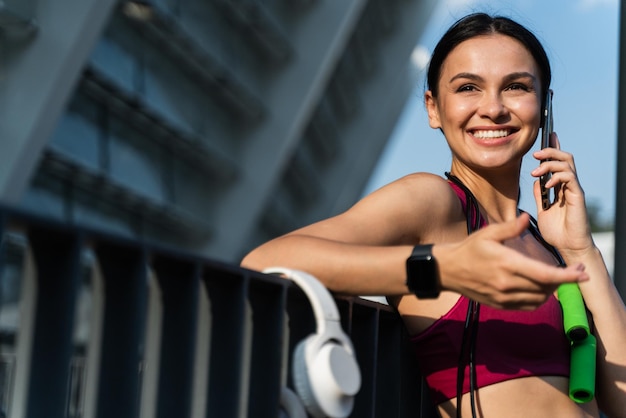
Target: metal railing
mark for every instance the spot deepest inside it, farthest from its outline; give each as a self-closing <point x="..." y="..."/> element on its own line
<point x="95" y="325"/>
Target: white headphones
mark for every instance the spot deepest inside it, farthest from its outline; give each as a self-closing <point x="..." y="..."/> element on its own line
<point x="325" y="373"/>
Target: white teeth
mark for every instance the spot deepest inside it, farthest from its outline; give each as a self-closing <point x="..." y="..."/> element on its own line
<point x="491" y="134"/>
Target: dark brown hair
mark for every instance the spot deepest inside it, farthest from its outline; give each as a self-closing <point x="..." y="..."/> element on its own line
<point x="479" y="24"/>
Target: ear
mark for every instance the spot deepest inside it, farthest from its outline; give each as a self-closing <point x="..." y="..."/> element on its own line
<point x="432" y="109"/>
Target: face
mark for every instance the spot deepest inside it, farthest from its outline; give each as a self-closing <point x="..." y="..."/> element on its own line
<point x="489" y="101"/>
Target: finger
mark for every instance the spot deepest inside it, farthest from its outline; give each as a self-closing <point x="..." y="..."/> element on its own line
<point x="563" y="177"/>
<point x="547" y="276"/>
<point x="520" y="294"/>
<point x="556" y="166"/>
<point x="552" y="158"/>
<point x="537" y="196"/>
<point x="527" y="274"/>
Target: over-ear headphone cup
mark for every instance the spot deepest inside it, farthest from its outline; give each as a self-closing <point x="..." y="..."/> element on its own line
<point x="301" y="379"/>
<point x="290" y="404"/>
<point x="327" y="379"/>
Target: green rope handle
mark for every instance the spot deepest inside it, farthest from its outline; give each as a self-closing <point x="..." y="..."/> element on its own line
<point x="582" y="379"/>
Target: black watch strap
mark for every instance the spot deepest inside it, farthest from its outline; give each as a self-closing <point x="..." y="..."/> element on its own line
<point x="422" y="272"/>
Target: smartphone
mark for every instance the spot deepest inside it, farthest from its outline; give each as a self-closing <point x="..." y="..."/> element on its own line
<point x="546" y="131"/>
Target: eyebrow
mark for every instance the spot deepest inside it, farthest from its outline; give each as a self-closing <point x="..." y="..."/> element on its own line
<point x="507" y="78"/>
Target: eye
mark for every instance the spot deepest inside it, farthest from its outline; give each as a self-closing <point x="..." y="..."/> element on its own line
<point x="466" y="88"/>
<point x="518" y="86"/>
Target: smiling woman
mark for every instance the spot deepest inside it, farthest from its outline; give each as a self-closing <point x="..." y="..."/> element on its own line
<point x="472" y="277"/>
<point x="581" y="38"/>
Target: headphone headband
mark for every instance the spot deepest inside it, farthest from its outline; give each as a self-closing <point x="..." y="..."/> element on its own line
<point x="323" y="305"/>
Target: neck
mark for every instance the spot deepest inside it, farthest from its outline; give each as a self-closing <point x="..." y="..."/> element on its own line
<point x="497" y="193"/>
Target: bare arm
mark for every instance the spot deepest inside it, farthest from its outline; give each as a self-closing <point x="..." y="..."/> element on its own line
<point x="565" y="226"/>
<point x="344" y="268"/>
<point x="363" y="251"/>
<point x="609" y="316"/>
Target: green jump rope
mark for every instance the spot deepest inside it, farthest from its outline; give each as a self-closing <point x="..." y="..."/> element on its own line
<point x="582" y="380"/>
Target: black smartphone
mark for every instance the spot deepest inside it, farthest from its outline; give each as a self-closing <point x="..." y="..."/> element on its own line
<point x="546" y="130"/>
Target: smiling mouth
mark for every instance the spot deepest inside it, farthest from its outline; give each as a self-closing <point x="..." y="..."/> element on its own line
<point x="489" y="134"/>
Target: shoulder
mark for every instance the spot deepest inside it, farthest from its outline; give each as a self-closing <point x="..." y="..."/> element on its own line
<point x="415" y="208"/>
<point x="421" y="190"/>
<point x="418" y="180"/>
<point x="416" y="202"/>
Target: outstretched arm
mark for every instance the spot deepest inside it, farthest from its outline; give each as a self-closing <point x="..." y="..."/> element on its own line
<point x="565" y="225"/>
<point x="364" y="250"/>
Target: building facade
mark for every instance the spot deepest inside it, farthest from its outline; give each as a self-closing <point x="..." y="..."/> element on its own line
<point x="210" y="125"/>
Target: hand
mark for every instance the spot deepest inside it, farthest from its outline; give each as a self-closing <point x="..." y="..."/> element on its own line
<point x="564" y="224"/>
<point x="482" y="268"/>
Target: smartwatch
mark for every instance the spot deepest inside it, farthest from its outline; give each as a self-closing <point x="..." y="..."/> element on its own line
<point x="422" y="273"/>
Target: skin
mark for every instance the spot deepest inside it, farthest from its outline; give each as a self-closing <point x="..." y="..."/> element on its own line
<point x="488" y="107"/>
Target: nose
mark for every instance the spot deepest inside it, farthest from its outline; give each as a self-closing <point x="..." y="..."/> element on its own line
<point x="493" y="107"/>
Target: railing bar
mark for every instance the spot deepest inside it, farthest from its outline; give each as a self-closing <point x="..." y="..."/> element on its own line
<point x="388" y="364"/>
<point x="179" y="282"/>
<point x="204" y="322"/>
<point x="150" y="370"/>
<point x="25" y="336"/>
<point x="57" y="262"/>
<point x="269" y="310"/>
<point x="364" y="336"/>
<point x="227" y="294"/>
<point x="94" y="343"/>
<point x="125" y="275"/>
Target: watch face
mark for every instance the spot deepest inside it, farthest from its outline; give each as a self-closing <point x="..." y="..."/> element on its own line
<point x="421" y="268"/>
<point x="427" y="265"/>
<point x="422" y="275"/>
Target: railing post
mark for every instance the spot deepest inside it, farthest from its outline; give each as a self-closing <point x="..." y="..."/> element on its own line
<point x="229" y="337"/>
<point x="57" y="262"/>
<point x="179" y="281"/>
<point x="125" y="283"/>
<point x="268" y="302"/>
<point x="364" y="333"/>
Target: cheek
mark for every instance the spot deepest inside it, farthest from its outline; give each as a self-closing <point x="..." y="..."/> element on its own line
<point x="527" y="111"/>
<point x="531" y="117"/>
<point x="456" y="112"/>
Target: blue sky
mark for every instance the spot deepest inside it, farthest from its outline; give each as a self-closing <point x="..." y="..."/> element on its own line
<point x="581" y="38"/>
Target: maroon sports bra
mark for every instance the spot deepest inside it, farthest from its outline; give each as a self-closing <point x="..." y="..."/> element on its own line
<point x="509" y="344"/>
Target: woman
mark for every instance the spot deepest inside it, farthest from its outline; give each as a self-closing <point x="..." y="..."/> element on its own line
<point x="486" y="82"/>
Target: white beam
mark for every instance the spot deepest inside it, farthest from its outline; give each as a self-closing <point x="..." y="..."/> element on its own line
<point x="37" y="76"/>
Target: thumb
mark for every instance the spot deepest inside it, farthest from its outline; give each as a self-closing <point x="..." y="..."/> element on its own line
<point x="537" y="196"/>
<point x="507" y="230"/>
